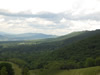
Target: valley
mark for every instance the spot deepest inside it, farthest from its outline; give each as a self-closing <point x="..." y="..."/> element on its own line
<point x="69" y="54"/>
<point x="50" y="37"/>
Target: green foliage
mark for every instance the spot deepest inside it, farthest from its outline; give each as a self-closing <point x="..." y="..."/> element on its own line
<point x="71" y="64"/>
<point x="6" y="68"/>
<point x="17" y="70"/>
<point x="3" y="71"/>
<point x="79" y="51"/>
<point x="97" y="61"/>
<point x="74" y="47"/>
<point x="55" y="65"/>
<point x="25" y="71"/>
<point x="20" y="62"/>
<point x="84" y="71"/>
<point x="90" y="62"/>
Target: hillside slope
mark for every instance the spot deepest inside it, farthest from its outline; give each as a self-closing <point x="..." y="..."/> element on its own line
<point x="38" y="55"/>
<point x="74" y="36"/>
<point x="80" y="50"/>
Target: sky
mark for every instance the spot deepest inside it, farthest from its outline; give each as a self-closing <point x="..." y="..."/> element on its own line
<point x="56" y="17"/>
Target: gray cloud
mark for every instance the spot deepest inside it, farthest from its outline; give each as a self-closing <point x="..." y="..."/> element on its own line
<point x="22" y="14"/>
<point x="51" y="16"/>
<point x="92" y="16"/>
<point x="47" y="22"/>
<point x="45" y="15"/>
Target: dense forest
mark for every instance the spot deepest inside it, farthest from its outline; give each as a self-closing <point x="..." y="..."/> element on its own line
<point x="76" y="50"/>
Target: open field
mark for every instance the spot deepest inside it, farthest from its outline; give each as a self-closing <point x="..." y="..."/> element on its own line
<point x="83" y="71"/>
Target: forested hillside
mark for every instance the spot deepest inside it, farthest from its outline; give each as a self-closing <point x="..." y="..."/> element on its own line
<point x="89" y="47"/>
<point x="74" y="49"/>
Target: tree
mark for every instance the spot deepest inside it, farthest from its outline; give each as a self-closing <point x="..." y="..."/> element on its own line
<point x="54" y="65"/>
<point x="97" y="61"/>
<point x="4" y="71"/>
<point x="71" y="64"/>
<point x="25" y="71"/>
<point x="9" y="68"/>
<point x="89" y="62"/>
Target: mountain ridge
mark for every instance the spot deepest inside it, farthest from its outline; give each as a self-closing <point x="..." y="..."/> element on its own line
<point x="24" y="36"/>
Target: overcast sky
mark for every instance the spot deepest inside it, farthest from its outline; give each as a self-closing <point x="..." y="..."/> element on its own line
<point x="57" y="17"/>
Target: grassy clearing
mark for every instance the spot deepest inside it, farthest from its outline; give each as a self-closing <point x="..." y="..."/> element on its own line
<point x="34" y="72"/>
<point x="84" y="71"/>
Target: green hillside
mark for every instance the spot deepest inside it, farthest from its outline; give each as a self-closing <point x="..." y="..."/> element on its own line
<point x="72" y="37"/>
<point x="89" y="47"/>
<point x="74" y="50"/>
<point x="69" y="38"/>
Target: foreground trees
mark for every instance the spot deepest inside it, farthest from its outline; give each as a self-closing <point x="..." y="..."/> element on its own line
<point x="90" y="62"/>
<point x="25" y="71"/>
<point x="6" y="69"/>
<point x="3" y="71"/>
<point x="97" y="61"/>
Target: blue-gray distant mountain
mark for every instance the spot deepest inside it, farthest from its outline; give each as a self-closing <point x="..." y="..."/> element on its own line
<point x="24" y="36"/>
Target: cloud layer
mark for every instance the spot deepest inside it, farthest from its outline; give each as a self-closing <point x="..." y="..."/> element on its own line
<point x="76" y="19"/>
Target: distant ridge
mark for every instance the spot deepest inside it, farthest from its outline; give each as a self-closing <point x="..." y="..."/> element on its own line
<point x="24" y="36"/>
